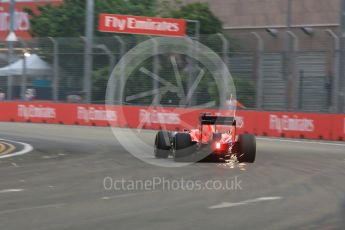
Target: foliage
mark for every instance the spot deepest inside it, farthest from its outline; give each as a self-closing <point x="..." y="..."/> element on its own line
<point x="210" y="24"/>
<point x="68" y="20"/>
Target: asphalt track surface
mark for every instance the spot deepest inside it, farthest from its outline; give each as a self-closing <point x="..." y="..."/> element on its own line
<point x="59" y="185"/>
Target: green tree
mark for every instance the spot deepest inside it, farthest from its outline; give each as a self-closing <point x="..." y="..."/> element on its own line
<point x="68" y="19"/>
<point x="210" y="24"/>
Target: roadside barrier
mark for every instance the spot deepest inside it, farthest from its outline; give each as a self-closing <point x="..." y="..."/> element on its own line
<point x="262" y="123"/>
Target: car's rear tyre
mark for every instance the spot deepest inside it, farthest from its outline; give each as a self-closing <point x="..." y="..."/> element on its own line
<point x="182" y="150"/>
<point x="162" y="144"/>
<point x="247" y="148"/>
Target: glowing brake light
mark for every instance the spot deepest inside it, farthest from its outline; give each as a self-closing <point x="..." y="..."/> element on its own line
<point x="217" y="145"/>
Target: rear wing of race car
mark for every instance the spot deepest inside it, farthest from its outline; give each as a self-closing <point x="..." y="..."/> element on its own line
<point x="206" y="119"/>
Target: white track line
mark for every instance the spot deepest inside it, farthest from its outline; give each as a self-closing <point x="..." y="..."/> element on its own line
<point x="11" y="190"/>
<point x="300" y="141"/>
<point x="32" y="208"/>
<point x="246" y="202"/>
<point x="26" y="149"/>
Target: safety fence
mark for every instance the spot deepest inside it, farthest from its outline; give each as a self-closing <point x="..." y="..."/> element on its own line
<point x="273" y="124"/>
<point x="269" y="74"/>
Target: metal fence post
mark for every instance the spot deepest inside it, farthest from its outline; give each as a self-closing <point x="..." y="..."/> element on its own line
<point x="191" y="71"/>
<point x="293" y="79"/>
<point x="341" y="33"/>
<point x="11" y="38"/>
<point x="88" y="58"/>
<point x="335" y="82"/>
<point x="55" y="91"/>
<point x="191" y="61"/>
<point x="24" y="78"/>
<point x="341" y="83"/>
<point x="24" y="70"/>
<point x="225" y="51"/>
<point x="157" y="96"/>
<point x="122" y="67"/>
<point x="10" y="77"/>
<point x="258" y="68"/>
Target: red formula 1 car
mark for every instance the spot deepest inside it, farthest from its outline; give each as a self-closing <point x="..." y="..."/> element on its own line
<point x="215" y="138"/>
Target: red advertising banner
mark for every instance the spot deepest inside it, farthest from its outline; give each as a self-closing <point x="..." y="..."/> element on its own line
<point x="338" y="127"/>
<point x="22" y="19"/>
<point x="115" y="23"/>
<point x="295" y="125"/>
<point x="273" y="124"/>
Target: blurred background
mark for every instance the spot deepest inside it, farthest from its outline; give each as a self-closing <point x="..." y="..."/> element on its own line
<point x="284" y="55"/>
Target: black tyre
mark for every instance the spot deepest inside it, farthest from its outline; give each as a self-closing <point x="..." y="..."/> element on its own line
<point x="182" y="147"/>
<point x="162" y="144"/>
<point x="247" y="148"/>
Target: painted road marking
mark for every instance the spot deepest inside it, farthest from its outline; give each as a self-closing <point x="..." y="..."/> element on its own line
<point x="10" y="148"/>
<point x="11" y="190"/>
<point x="246" y="202"/>
<point x="299" y="141"/>
<point x="32" y="208"/>
<point x="2" y="147"/>
<point x="128" y="195"/>
<point x="26" y="149"/>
